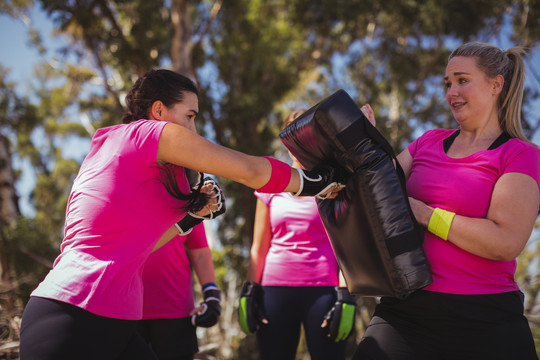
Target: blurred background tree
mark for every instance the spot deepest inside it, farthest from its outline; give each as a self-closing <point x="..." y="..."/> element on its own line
<point x="254" y="61"/>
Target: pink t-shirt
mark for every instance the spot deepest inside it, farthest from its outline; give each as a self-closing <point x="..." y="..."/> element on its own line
<point x="116" y="212"/>
<point x="300" y="252"/>
<point x="168" y="288"/>
<point x="465" y="186"/>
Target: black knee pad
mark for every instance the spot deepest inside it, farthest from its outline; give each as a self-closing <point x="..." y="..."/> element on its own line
<point x="376" y="238"/>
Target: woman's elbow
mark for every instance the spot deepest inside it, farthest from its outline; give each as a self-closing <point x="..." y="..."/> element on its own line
<point x="253" y="174"/>
<point x="510" y="252"/>
<point x="506" y="257"/>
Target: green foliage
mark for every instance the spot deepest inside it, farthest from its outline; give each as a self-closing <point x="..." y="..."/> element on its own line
<point x="526" y="21"/>
<point x="32" y="247"/>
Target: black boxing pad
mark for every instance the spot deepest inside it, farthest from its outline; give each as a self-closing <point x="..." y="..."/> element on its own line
<point x="375" y="237"/>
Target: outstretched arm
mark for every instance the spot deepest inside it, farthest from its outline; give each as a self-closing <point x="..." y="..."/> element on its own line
<point x="201" y="259"/>
<point x="182" y="147"/>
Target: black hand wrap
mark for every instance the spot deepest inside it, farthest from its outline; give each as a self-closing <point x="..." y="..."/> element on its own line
<point x="187" y="224"/>
<point x="341" y="317"/>
<point x="189" y="221"/>
<point x="319" y="180"/>
<point x="250" y="312"/>
<point x="209" y="316"/>
<point x="221" y="200"/>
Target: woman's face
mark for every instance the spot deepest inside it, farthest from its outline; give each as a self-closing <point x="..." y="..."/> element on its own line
<point x="183" y="113"/>
<point x="469" y="92"/>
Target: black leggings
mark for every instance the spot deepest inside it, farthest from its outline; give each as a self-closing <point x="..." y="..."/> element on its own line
<point x="436" y="326"/>
<point x="54" y="330"/>
<point x="287" y="308"/>
<point x="171" y="339"/>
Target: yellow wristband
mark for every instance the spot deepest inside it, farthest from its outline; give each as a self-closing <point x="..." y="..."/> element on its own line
<point x="440" y="221"/>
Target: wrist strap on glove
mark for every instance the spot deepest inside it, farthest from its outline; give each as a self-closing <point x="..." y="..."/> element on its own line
<point x="317" y="181"/>
<point x="186" y="224"/>
<point x="211" y="292"/>
<point x="343" y="295"/>
<point x="211" y="308"/>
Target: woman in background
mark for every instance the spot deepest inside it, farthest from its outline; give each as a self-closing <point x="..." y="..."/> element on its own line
<point x="293" y="280"/>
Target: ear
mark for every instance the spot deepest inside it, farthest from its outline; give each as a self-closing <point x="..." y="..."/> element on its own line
<point x="497" y="84"/>
<point x="156" y="110"/>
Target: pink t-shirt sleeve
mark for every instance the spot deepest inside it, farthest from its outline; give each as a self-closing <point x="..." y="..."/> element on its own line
<point x="196" y="239"/>
<point x="526" y="162"/>
<point x="264" y="197"/>
<point x="426" y="136"/>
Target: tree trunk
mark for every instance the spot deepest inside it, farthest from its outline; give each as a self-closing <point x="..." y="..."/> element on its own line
<point x="181" y="43"/>
<point x="8" y="217"/>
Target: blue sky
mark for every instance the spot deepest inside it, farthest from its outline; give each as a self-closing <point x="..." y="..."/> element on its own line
<point x="20" y="57"/>
<point x="17" y="54"/>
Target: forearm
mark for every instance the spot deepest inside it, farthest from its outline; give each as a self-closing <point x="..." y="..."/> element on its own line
<point x="486" y="238"/>
<point x="480" y="236"/>
<point x="177" y="146"/>
<point x="203" y="265"/>
<point x="257" y="258"/>
<point x="262" y="237"/>
<point x="255" y="269"/>
<point x="208" y="313"/>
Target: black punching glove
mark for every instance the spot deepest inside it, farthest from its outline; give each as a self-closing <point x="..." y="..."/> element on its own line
<point x="340" y="319"/>
<point x="317" y="181"/>
<point x="209" y="315"/>
<point x="250" y="312"/>
<point x="189" y="221"/>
